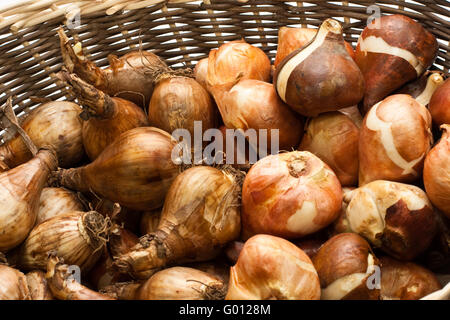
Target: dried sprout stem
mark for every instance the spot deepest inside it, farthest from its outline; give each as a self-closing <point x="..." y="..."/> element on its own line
<point x="65" y="288"/>
<point x="8" y="121"/>
<point x="96" y="102"/>
<point x="79" y="64"/>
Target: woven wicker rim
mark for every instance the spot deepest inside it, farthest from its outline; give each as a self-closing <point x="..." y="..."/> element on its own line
<point x="180" y="31"/>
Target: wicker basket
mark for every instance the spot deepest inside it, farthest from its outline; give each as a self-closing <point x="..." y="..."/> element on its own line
<point x="180" y="31"/>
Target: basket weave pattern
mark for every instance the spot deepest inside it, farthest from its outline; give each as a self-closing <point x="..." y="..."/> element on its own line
<point x="180" y="31"/>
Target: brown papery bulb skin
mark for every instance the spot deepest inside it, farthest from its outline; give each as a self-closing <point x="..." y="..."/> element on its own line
<point x="13" y="284"/>
<point x="121" y="241"/>
<point x="290" y="195"/>
<point x="394" y="140"/>
<point x="150" y="221"/>
<point x="201" y="72"/>
<point x="38" y="286"/>
<point x="254" y="104"/>
<point x="106" y="117"/>
<point x="290" y="39"/>
<point x="56" y="124"/>
<point x="20" y="190"/>
<point x="136" y="170"/>
<point x="391" y="54"/>
<point x="321" y="76"/>
<point x="395" y="217"/>
<point x="64" y="286"/>
<point x="200" y="216"/>
<point x="273" y="268"/>
<point x="334" y="137"/>
<point x="77" y="237"/>
<point x="129" y="77"/>
<point x="57" y="201"/>
<point x="179" y="101"/>
<point x="436" y="173"/>
<point x="423" y="88"/>
<point x="406" y="280"/>
<point x="234" y="61"/>
<point x="440" y="104"/>
<point x="99" y="133"/>
<point x="181" y="283"/>
<point x="3" y="166"/>
<point x="344" y="264"/>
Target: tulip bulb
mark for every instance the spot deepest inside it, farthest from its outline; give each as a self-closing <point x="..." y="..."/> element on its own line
<point x="396" y="217"/>
<point x="77" y="237"/>
<point x="254" y="104"/>
<point x="20" y="190"/>
<point x="200" y="215"/>
<point x="129" y="77"/>
<point x="399" y="130"/>
<point x="406" y="280"/>
<point x="397" y="51"/>
<point x="289" y="195"/>
<point x="440" y="104"/>
<point x="181" y="283"/>
<point x="57" y="201"/>
<point x="105" y="117"/>
<point x="179" y="101"/>
<point x="321" y="76"/>
<point x="334" y="137"/>
<point x="53" y="124"/>
<point x="64" y="286"/>
<point x="344" y="264"/>
<point x="13" y="284"/>
<point x="135" y="170"/>
<point x="38" y="286"/>
<point x="436" y="172"/>
<point x="290" y="39"/>
<point x="271" y="268"/>
<point x="233" y="61"/>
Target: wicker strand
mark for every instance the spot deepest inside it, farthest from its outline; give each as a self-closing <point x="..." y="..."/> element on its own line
<point x="31" y="55"/>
